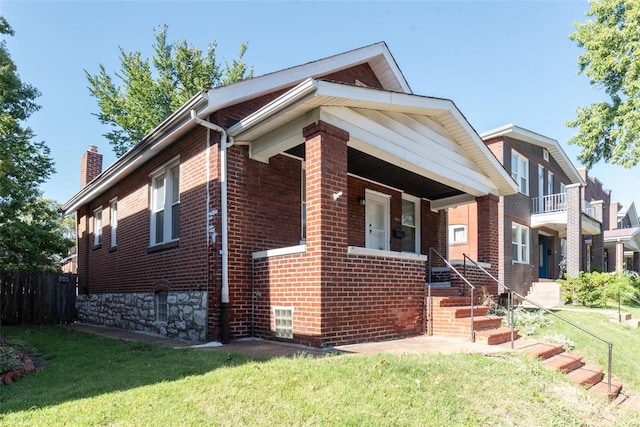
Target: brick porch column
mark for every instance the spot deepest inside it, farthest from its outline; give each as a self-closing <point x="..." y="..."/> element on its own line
<point x="326" y="180"/>
<point x="636" y="261"/>
<point x="489" y="236"/>
<point x="574" y="229"/>
<point x="597" y="240"/>
<point x="619" y="257"/>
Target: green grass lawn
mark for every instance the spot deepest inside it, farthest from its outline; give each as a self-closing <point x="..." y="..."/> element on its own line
<point x="88" y="380"/>
<point x="626" y="340"/>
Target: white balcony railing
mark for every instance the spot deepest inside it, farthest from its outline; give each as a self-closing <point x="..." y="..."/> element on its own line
<point x="557" y="203"/>
<point x="550" y="203"/>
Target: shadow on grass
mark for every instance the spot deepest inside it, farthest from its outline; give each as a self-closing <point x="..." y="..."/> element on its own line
<point x="79" y="365"/>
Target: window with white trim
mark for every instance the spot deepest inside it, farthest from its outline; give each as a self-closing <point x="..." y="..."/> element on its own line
<point x="549" y="182"/>
<point x="114" y="222"/>
<point x="540" y="182"/>
<point x="520" y="243"/>
<point x="411" y="224"/>
<point x="457" y="234"/>
<point x="303" y="198"/>
<point x="520" y="171"/>
<point x="97" y="227"/>
<point x="165" y="204"/>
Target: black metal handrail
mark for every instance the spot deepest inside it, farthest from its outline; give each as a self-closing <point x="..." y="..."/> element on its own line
<point x="429" y="316"/>
<point x="628" y="295"/>
<point x="513" y="293"/>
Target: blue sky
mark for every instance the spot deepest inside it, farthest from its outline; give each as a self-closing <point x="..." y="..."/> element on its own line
<point x="499" y="61"/>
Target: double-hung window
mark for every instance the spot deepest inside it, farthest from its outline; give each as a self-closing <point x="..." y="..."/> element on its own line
<point x="114" y="222"/>
<point x="97" y="227"/>
<point x="520" y="243"/>
<point x="410" y="223"/>
<point x="165" y="204"/>
<point x="520" y="171"/>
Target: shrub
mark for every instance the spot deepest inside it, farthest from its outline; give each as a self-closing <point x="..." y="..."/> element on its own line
<point x="587" y="289"/>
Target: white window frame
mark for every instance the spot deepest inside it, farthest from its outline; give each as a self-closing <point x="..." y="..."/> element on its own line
<point x="371" y="197"/>
<point x="97" y="226"/>
<point x="540" y="182"/>
<point x="416" y="217"/>
<point x="524" y="247"/>
<point x="520" y="171"/>
<point x="550" y="182"/>
<point x="452" y="233"/>
<point x="113" y="220"/>
<point x="303" y="202"/>
<point x="166" y="173"/>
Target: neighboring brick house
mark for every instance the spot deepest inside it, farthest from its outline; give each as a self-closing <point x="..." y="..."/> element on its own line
<point x="543" y="223"/>
<point x="298" y="205"/>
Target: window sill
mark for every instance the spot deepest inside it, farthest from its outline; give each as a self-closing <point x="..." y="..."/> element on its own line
<point x="98" y="246"/>
<point x="113" y="248"/>
<point x="280" y="251"/>
<point x="355" y="250"/>
<point x="163" y="246"/>
<point x="520" y="262"/>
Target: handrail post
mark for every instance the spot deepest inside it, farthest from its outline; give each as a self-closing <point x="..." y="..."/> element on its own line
<point x="472" y="304"/>
<point x="609" y="368"/>
<point x="512" y="317"/>
<point x="619" y="313"/>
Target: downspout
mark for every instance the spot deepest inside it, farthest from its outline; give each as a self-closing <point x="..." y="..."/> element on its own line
<point x="224" y="292"/>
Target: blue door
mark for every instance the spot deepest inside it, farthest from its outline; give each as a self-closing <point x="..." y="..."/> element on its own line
<point x="542" y="257"/>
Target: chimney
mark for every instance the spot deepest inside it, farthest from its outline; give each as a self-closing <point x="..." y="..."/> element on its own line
<point x="90" y="165"/>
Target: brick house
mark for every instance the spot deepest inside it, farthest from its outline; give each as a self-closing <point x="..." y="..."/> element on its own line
<point x="547" y="221"/>
<point x="298" y="205"/>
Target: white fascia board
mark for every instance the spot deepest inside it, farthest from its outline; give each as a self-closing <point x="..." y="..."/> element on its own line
<point x="452" y="202"/>
<point x="553" y="146"/>
<point x="156" y="140"/>
<point x="225" y="96"/>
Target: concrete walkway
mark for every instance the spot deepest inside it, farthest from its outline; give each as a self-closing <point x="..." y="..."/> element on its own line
<point x="264" y="348"/>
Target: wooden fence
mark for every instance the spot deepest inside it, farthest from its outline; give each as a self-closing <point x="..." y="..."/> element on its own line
<point x="37" y="298"/>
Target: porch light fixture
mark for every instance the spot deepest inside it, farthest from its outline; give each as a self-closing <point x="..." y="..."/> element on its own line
<point x="362" y="201"/>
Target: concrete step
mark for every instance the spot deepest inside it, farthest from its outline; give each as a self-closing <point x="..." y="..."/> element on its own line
<point x="495" y="336"/>
<point x="565" y="362"/>
<point x="544" y="350"/>
<point x="586" y="375"/>
<point x="546" y="294"/>
<point x="602" y="388"/>
<point x="461" y="312"/>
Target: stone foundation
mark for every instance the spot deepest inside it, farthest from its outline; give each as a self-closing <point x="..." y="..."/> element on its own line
<point x="186" y="313"/>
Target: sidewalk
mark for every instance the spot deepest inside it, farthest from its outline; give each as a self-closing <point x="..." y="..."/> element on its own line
<point x="265" y="348"/>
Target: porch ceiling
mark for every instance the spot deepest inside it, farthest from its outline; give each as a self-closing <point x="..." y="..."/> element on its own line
<point x="420" y="145"/>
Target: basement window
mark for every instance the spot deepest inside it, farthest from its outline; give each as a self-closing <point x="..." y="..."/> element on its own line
<point x="161" y="306"/>
<point x="284" y="322"/>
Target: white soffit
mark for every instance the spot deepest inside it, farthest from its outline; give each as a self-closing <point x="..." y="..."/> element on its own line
<point x="397" y="124"/>
<point x="534" y="138"/>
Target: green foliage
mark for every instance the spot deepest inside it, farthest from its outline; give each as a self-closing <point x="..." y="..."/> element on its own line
<point x="152" y="89"/>
<point x="27" y="223"/>
<point x="595" y="289"/>
<point x="610" y="130"/>
<point x="526" y="321"/>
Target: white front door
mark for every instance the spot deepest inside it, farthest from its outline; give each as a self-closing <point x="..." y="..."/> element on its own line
<point x="377" y="220"/>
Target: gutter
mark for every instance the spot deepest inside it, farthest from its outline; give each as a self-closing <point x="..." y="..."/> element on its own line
<point x="225" y="142"/>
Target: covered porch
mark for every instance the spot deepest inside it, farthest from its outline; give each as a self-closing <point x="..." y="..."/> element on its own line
<point x="380" y="168"/>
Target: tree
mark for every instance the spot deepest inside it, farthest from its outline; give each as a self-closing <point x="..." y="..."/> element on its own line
<point x="152" y="90"/>
<point x="610" y="131"/>
<point x="27" y="223"/>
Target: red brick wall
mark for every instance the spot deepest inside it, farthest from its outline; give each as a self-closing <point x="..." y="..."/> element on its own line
<point x="90" y="166"/>
<point x="130" y="267"/>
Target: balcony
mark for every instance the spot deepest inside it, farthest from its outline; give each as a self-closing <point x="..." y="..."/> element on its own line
<point x="551" y="212"/>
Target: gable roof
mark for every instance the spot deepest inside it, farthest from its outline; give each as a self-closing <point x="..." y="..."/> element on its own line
<point x="376" y="55"/>
<point x="425" y="135"/>
<point x="551" y="145"/>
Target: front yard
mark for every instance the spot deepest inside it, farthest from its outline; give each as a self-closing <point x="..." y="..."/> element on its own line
<point x="89" y="380"/>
